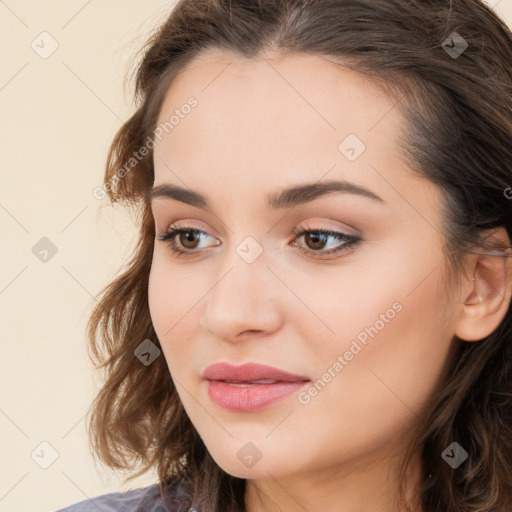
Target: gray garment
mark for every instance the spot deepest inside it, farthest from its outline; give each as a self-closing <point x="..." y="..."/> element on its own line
<point x="145" y="499"/>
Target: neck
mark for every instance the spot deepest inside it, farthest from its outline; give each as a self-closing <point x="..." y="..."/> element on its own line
<point x="369" y="484"/>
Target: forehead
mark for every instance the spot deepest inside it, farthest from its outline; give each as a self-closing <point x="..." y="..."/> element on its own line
<point x="304" y="86"/>
<point x="272" y="120"/>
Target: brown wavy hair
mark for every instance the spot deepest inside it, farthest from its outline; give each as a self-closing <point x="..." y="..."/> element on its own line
<point x="459" y="135"/>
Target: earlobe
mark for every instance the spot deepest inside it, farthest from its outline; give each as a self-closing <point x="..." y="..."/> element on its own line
<point x="488" y="300"/>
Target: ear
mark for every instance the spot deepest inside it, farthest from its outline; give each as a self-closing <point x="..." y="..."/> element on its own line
<point x="486" y="297"/>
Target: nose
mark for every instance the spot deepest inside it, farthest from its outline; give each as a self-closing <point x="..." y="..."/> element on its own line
<point x="243" y="302"/>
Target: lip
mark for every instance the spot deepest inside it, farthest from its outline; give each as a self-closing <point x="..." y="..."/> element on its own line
<point x="233" y="387"/>
<point x="249" y="372"/>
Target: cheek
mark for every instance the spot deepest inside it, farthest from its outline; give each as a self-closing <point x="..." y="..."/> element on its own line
<point x="393" y="346"/>
<point x="389" y="320"/>
<point x="174" y="299"/>
<point x="160" y="297"/>
<point x="171" y="293"/>
<point x="167" y="304"/>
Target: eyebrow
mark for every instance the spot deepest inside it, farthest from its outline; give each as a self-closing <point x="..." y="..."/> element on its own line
<point x="288" y="198"/>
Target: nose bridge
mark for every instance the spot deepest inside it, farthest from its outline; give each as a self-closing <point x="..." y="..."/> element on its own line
<point x="240" y="298"/>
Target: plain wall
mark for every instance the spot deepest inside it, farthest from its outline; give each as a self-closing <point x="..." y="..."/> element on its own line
<point x="58" y="115"/>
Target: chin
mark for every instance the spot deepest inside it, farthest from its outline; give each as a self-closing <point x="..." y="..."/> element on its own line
<point x="249" y="463"/>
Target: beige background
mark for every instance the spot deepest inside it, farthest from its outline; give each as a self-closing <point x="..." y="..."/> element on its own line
<point x="57" y="116"/>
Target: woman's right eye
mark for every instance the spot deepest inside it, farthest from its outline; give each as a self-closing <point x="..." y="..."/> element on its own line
<point x="187" y="237"/>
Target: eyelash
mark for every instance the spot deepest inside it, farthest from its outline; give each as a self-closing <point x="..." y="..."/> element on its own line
<point x="350" y="241"/>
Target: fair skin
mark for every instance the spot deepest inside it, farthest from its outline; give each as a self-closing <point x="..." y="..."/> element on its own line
<point x="260" y="126"/>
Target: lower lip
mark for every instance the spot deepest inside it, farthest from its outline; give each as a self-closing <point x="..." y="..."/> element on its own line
<point x="252" y="397"/>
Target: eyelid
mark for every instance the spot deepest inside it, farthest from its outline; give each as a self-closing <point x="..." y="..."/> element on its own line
<point x="322" y="224"/>
<point x="188" y="224"/>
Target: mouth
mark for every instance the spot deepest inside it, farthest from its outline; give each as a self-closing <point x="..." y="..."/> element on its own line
<point x="250" y="373"/>
<point x="242" y="383"/>
<point x="250" y="387"/>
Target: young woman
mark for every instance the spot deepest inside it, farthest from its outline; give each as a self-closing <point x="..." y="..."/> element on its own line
<point x="316" y="315"/>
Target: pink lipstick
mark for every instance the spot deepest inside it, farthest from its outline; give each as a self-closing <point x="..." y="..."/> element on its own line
<point x="251" y="386"/>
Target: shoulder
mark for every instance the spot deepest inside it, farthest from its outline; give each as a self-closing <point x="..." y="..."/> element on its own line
<point x="144" y="499"/>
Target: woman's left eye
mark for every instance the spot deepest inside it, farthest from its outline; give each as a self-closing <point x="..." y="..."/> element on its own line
<point x="317" y="239"/>
<point x="321" y="236"/>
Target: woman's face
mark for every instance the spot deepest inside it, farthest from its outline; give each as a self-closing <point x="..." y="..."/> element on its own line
<point x="369" y="326"/>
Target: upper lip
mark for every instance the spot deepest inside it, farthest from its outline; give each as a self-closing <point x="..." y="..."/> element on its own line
<point x="249" y="372"/>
